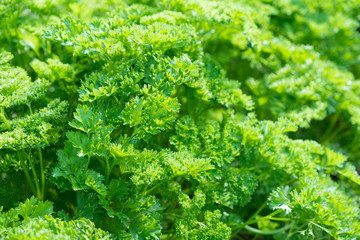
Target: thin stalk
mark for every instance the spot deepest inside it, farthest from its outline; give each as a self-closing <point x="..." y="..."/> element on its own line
<point x="108" y="170"/>
<point x="42" y="172"/>
<point x="103" y="165"/>
<point x="88" y="162"/>
<point x="256" y="213"/>
<point x="344" y="134"/>
<point x="27" y="174"/>
<point x="237" y="230"/>
<point x="265" y="217"/>
<point x="16" y="27"/>
<point x="352" y="145"/>
<point x="331" y="126"/>
<point x="113" y="165"/>
<point x="271" y="232"/>
<point x="255" y="237"/>
<point x="154" y="187"/>
<point x="171" y="206"/>
<point x="21" y="157"/>
<point x="334" y="134"/>
<point x="131" y="137"/>
<point x="116" y="99"/>
<point x="41" y="160"/>
<point x="37" y="185"/>
<point x="174" y="215"/>
<point x="290" y="233"/>
<point x="279" y="219"/>
<point x="6" y="29"/>
<point x="3" y="118"/>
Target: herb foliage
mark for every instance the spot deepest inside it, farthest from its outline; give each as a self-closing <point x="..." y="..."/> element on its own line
<point x="169" y="119"/>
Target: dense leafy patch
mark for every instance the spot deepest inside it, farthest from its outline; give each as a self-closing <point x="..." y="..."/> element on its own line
<point x="169" y="119"/>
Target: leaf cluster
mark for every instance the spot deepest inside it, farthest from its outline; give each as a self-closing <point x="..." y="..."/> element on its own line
<point x="169" y="119"/>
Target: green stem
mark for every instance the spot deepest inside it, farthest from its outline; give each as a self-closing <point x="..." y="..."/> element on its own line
<point x="238" y="229"/>
<point x="36" y="190"/>
<point x="103" y="165"/>
<point x="151" y="189"/>
<point x="290" y="233"/>
<point x="174" y="215"/>
<point x="256" y="213"/>
<point x="352" y="146"/>
<point x="113" y="165"/>
<point x="171" y="206"/>
<point x="271" y="232"/>
<point x="116" y="99"/>
<point x="30" y="108"/>
<point x="6" y="29"/>
<point x="131" y="137"/>
<point x="263" y="218"/>
<point x="37" y="185"/>
<point x="334" y="134"/>
<point x="42" y="172"/>
<point x="27" y="174"/>
<point x="108" y="170"/>
<point x="88" y="162"/>
<point x="255" y="237"/>
<point x="280" y="219"/>
<point x="344" y="134"/>
<point x="3" y="118"/>
<point x="331" y="127"/>
<point x="16" y="27"/>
